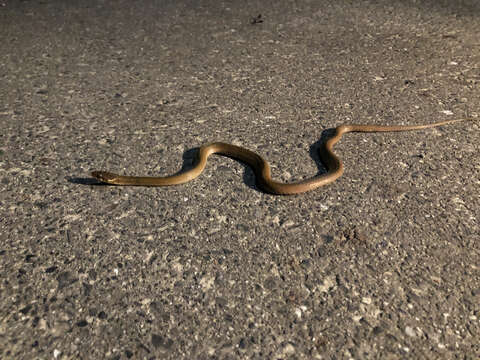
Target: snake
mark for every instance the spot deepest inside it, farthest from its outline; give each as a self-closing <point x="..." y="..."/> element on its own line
<point x="260" y="166"/>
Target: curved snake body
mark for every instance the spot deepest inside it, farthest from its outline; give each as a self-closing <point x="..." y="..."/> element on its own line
<point x="260" y="166"/>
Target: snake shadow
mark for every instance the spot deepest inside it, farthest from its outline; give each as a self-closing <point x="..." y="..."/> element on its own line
<point x="189" y="161"/>
<point x="84" y="181"/>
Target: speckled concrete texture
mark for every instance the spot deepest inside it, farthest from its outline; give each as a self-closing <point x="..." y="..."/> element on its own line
<point x="382" y="264"/>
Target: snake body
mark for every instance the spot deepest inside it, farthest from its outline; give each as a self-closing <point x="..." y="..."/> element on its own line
<point x="260" y="166"/>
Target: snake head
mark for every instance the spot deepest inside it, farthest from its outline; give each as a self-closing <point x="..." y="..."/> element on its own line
<point x="104" y="176"/>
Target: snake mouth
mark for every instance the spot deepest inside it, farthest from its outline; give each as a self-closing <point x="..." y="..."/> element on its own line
<point x="104" y="176"/>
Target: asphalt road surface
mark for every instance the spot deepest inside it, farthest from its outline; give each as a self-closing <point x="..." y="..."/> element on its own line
<point x="382" y="264"/>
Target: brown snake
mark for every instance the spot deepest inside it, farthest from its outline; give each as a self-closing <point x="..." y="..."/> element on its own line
<point x="261" y="168"/>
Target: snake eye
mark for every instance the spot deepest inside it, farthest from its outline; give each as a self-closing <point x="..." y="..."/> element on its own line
<point x="104" y="176"/>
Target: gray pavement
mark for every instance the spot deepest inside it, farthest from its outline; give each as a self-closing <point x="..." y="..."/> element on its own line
<point x="382" y="264"/>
